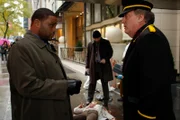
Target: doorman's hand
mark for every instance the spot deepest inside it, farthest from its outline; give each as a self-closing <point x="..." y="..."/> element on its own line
<point x="103" y="61"/>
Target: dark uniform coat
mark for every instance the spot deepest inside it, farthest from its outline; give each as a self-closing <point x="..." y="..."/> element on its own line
<point x="148" y="71"/>
<point x="37" y="82"/>
<point x="106" y="53"/>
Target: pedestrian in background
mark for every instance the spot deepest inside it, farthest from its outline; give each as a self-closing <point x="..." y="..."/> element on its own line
<point x="98" y="66"/>
<point x="39" y="86"/>
<point x="4" y="51"/>
<point x="147" y="67"/>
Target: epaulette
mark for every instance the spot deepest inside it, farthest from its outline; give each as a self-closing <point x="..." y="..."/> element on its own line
<point x="152" y="28"/>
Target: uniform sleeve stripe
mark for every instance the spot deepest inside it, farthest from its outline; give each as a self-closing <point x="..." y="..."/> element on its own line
<point x="146" y="116"/>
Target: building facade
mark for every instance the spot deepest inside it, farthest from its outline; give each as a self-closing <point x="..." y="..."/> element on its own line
<point x="78" y="20"/>
<point x="104" y="17"/>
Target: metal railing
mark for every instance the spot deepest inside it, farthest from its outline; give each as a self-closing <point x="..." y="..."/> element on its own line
<point x="73" y="55"/>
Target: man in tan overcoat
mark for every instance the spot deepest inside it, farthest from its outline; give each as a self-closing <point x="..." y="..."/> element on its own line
<point x="38" y="83"/>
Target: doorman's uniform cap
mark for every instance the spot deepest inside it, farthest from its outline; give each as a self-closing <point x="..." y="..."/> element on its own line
<point x="127" y="7"/>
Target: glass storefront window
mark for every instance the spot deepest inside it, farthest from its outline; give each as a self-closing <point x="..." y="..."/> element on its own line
<point x="79" y="27"/>
<point x="88" y="14"/>
<point x="97" y="13"/>
<point x="103" y="32"/>
<point x="110" y="11"/>
<point x="88" y="37"/>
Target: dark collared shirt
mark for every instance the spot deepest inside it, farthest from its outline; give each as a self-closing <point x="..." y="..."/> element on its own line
<point x="97" y="54"/>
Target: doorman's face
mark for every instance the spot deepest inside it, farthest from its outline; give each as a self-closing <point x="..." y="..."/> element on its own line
<point x="130" y="21"/>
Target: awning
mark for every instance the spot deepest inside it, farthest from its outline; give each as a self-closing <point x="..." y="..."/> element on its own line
<point x="64" y="7"/>
<point x="71" y="9"/>
<point x="162" y="4"/>
<point x="112" y="2"/>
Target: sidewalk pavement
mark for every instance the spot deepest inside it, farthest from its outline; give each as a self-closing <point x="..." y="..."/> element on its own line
<point x="5" y="106"/>
<point x="114" y="106"/>
<point x="74" y="66"/>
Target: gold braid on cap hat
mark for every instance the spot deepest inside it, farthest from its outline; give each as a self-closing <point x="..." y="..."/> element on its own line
<point x="131" y="6"/>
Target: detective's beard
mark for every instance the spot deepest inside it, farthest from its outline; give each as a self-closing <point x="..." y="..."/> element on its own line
<point x="43" y="35"/>
<point x="44" y="38"/>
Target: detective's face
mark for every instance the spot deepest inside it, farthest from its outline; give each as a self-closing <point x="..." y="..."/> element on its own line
<point x="47" y="28"/>
<point x="130" y="21"/>
<point x="97" y="39"/>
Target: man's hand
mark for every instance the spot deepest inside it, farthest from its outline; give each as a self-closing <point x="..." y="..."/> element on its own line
<point x="103" y="61"/>
<point x="74" y="86"/>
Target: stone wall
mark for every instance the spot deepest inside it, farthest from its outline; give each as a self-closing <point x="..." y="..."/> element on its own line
<point x="169" y="22"/>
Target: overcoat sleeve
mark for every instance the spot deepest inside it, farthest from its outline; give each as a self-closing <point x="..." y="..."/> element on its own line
<point x="88" y="55"/>
<point x="26" y="81"/>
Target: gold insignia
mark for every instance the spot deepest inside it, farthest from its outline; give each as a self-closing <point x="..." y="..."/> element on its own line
<point x="152" y="28"/>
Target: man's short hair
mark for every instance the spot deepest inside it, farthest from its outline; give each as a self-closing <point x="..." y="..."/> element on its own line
<point x="42" y="14"/>
<point x="148" y="15"/>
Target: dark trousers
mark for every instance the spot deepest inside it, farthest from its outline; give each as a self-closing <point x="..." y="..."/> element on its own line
<point x="92" y="87"/>
<point x="4" y="55"/>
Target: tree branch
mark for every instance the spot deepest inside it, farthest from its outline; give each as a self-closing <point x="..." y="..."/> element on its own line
<point x="2" y="30"/>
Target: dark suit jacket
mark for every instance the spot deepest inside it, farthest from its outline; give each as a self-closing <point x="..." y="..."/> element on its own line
<point x="148" y="71"/>
<point x="106" y="53"/>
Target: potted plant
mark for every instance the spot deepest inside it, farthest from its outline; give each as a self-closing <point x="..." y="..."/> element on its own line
<point x="78" y="46"/>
